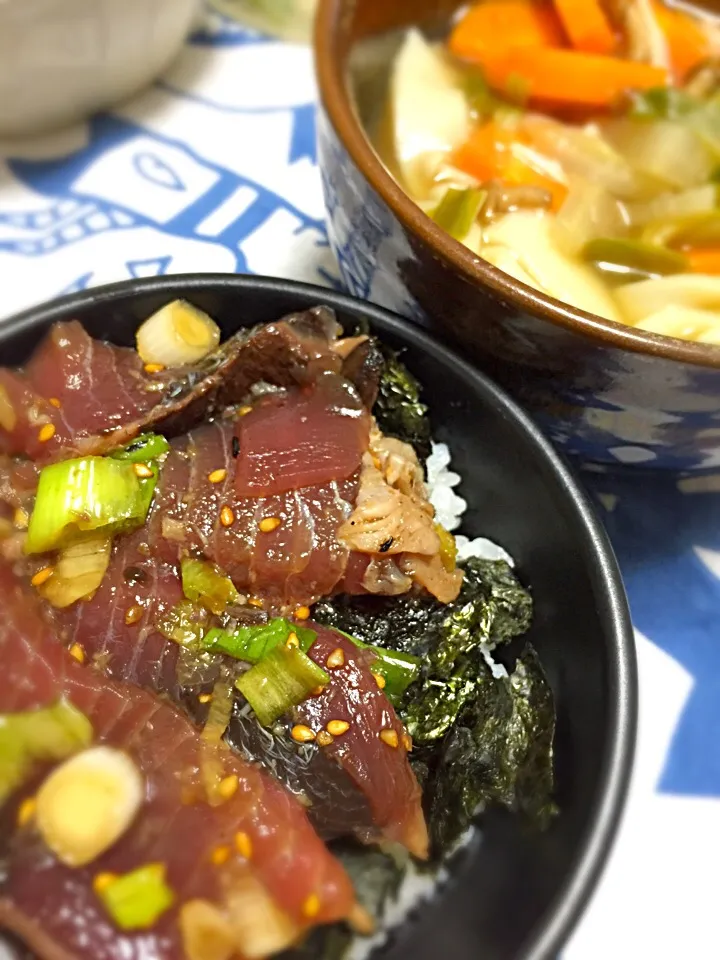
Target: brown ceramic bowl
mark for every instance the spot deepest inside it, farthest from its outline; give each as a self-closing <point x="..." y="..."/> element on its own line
<point x="603" y="391"/>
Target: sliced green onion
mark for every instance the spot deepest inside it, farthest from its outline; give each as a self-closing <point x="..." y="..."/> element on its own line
<point x="281" y="680"/>
<point x="253" y="643"/>
<point x="177" y="334"/>
<point x="399" y="670"/>
<point x="148" y="446"/>
<point x="480" y="99"/>
<point x="136" y="900"/>
<point x="458" y="210"/>
<point x="662" y="103"/>
<point x="75" y="497"/>
<point x="79" y="571"/>
<point x="51" y="733"/>
<point x="611" y="253"/>
<point x="203" y="583"/>
<point x="185" y="623"/>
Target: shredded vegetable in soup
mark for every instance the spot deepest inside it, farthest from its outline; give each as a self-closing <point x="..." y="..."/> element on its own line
<point x="574" y="144"/>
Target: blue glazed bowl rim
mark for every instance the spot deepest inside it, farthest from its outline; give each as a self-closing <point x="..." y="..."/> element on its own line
<point x="332" y="45"/>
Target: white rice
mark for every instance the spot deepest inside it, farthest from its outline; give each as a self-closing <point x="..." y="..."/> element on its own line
<point x="449" y="507"/>
<point x="417" y="887"/>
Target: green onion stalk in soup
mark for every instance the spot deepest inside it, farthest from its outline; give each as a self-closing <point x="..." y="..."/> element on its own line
<point x="575" y="146"/>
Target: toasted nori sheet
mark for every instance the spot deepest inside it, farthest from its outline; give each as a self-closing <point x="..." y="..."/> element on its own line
<point x="479" y="738"/>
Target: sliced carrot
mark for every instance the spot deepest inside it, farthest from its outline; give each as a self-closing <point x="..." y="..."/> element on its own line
<point x="706" y="260"/>
<point x="587" y="26"/>
<point x="688" y="40"/>
<point x="568" y="76"/>
<point x="495" y="25"/>
<point x="488" y="155"/>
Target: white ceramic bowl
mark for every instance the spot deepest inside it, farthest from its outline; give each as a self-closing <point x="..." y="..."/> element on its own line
<point x="60" y="60"/>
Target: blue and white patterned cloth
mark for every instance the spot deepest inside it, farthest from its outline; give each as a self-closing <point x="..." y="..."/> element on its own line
<point x="214" y="168"/>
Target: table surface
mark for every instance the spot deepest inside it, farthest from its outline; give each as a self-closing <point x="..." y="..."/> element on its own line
<point x="213" y="168"/>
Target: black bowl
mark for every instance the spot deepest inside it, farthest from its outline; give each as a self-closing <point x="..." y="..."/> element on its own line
<point x="519" y="894"/>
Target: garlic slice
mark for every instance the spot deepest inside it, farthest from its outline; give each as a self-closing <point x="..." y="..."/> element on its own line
<point x="88" y="803"/>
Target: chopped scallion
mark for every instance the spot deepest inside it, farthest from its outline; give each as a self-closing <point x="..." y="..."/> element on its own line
<point x="136" y="900"/>
<point x="203" y="583"/>
<point x="281" y="680"/>
<point x="662" y="103"/>
<point x="79" y="570"/>
<point x="610" y="253"/>
<point x="479" y="97"/>
<point x="253" y="643"/>
<point x="50" y="733"/>
<point x="458" y="210"/>
<point x="185" y="623"/>
<point x="177" y="334"/>
<point x="148" y="446"/>
<point x="398" y="670"/>
<point x="75" y="497"/>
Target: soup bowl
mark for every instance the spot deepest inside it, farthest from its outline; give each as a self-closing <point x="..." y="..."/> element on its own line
<point x="515" y="894"/>
<point x="601" y="390"/>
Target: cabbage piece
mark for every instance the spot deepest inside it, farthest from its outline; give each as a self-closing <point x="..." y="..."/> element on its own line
<point x="698" y="114"/>
<point x="671" y="206"/>
<point x="705" y="123"/>
<point x="430" y="112"/>
<point x="583" y="152"/>
<point x="640" y="300"/>
<point x="507" y="261"/>
<point x="671" y="153"/>
<point x="699" y="230"/>
<point x="529" y="237"/>
<point x="589" y="211"/>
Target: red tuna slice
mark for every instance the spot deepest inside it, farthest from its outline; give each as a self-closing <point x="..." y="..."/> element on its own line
<point x="116" y="627"/>
<point x="93" y="396"/>
<point x="55" y="909"/>
<point x="297" y="562"/>
<point x="373" y="750"/>
<point x="346" y="798"/>
<point x="73" y="388"/>
<point x="302" y="439"/>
